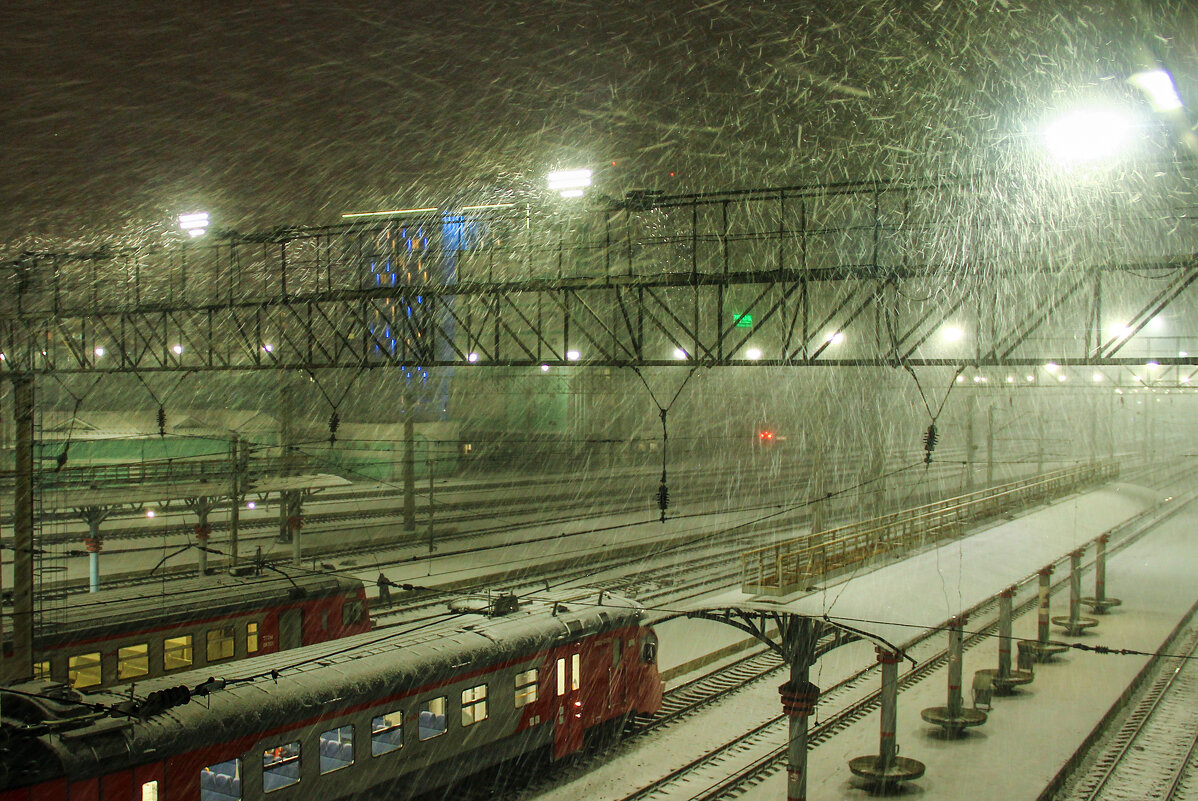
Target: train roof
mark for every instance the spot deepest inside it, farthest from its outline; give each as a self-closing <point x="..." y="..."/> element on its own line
<point x="324" y="679"/>
<point x="178" y="600"/>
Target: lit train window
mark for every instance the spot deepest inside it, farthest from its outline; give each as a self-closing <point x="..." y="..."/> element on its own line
<point x="337" y="748"/>
<point x="386" y="733"/>
<point x="220" y="643"/>
<point x="177" y="652"/>
<point x="575" y="671"/>
<point x="251" y="638"/>
<point x="41" y="670"/>
<point x="221" y="782"/>
<point x="83" y="670"/>
<point x="280" y="766"/>
<point x="149" y="791"/>
<point x="526" y="687"/>
<point x="133" y="661"/>
<point x="561" y="677"/>
<point x="432" y="718"/>
<point x="474" y="705"/>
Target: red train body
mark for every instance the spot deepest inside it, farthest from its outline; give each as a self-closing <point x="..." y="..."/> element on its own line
<point x="130" y="634"/>
<point x="371" y="716"/>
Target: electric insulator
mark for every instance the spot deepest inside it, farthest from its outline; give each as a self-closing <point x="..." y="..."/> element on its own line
<point x="663" y="497"/>
<point x="61" y="461"/>
<point x="161" y="421"/>
<point x="162" y="700"/>
<point x="929" y="443"/>
<point x="334" y="422"/>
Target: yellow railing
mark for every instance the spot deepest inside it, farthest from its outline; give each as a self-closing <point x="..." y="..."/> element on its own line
<point x="799" y="562"/>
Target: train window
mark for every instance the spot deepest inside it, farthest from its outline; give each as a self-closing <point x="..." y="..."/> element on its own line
<point x="251" y="638"/>
<point x="352" y="612"/>
<point x="336" y="749"/>
<point x="133" y="661"/>
<point x="280" y="766"/>
<point x="386" y="733"/>
<point x="149" y="791"/>
<point x="474" y="705"/>
<point x="83" y="670"/>
<point x="617" y="651"/>
<point x="177" y="653"/>
<point x="324" y="620"/>
<point x="220" y="643"/>
<point x="561" y="677"/>
<point x="221" y="782"/>
<point x="526" y="687"/>
<point x="575" y="671"/>
<point x="432" y="718"/>
<point x="41" y="670"/>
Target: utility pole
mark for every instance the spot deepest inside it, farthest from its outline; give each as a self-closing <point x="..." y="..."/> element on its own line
<point x="235" y="490"/>
<point x="409" y="465"/>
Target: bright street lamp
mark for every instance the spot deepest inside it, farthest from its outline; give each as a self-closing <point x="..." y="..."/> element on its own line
<point x="1086" y="135"/>
<point x="570" y="183"/>
<point x="194" y="224"/>
<point x="1158" y="87"/>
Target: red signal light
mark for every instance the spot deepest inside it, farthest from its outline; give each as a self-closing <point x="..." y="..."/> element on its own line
<point x="765" y="436"/>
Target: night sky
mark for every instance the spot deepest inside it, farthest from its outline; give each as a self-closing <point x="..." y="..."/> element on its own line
<point x="121" y="115"/>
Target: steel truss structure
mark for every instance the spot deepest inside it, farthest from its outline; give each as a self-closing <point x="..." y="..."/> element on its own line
<point x="852" y="274"/>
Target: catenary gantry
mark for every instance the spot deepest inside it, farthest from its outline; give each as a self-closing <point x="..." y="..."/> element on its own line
<point x="850" y="274"/>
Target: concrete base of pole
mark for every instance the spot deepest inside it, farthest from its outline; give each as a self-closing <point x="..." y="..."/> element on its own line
<point x="1005" y="685"/>
<point x="1042" y="651"/>
<point x="884" y="776"/>
<point x="954" y="725"/>
<point x="1074" y="626"/>
<point x="1100" y="607"/>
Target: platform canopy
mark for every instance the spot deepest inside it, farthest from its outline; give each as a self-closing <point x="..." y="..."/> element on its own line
<point x="141" y="494"/>
<point x="898" y="601"/>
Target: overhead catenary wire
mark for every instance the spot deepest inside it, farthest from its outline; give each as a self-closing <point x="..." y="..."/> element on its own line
<point x="663" y="489"/>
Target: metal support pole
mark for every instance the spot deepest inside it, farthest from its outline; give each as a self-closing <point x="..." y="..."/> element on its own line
<point x="21" y="666"/>
<point x="203" y="534"/>
<point x="1100" y="603"/>
<point x="409" y="468"/>
<point x="235" y="500"/>
<point x="431" y="547"/>
<point x="1003" y="680"/>
<point x="990" y="446"/>
<point x="887" y="768"/>
<point x="1075" y="624"/>
<point x="1041" y="650"/>
<point x="954" y="665"/>
<point x="1044" y="610"/>
<point x="295" y="522"/>
<point x="887" y="742"/>
<point x="799" y="697"/>
<point x="954" y="718"/>
<point x="1005" y="615"/>
<point x="94" y="543"/>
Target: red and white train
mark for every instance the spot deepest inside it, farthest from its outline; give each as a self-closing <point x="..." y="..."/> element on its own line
<point x="378" y="715"/>
<point x="122" y="635"/>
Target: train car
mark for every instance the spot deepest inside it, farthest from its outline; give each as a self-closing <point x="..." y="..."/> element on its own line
<point x="380" y="715"/>
<point x="130" y="634"/>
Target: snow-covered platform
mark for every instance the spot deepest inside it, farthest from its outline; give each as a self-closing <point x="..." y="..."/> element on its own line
<point x="923" y="591"/>
<point x="1031" y="734"/>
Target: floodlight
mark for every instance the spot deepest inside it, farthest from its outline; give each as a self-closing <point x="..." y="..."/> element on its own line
<point x="1157" y="85"/>
<point x="1086" y="135"/>
<point x="570" y="183"/>
<point x="194" y="224"/>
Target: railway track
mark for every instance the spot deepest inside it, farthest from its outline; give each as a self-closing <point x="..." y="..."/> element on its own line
<point x="1151" y="754"/>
